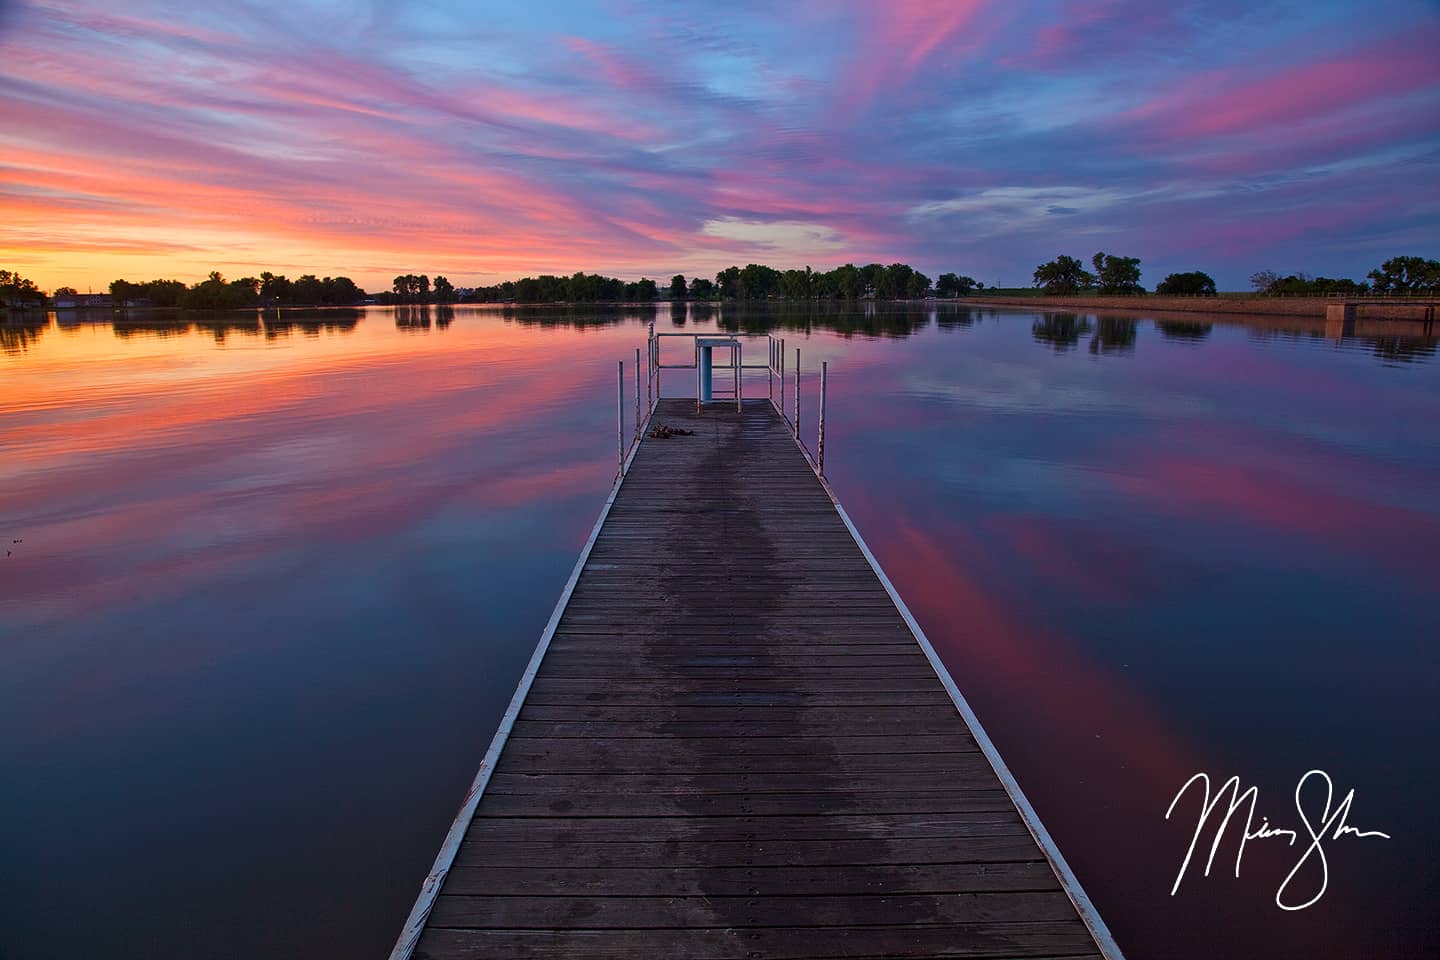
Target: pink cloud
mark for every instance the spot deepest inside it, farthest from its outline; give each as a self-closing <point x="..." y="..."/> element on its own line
<point x="1220" y="103"/>
<point x="899" y="37"/>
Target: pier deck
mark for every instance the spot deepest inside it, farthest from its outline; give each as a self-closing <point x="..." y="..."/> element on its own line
<point x="735" y="747"/>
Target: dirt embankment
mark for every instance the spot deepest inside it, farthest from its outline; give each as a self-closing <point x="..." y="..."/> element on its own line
<point x="1307" y="307"/>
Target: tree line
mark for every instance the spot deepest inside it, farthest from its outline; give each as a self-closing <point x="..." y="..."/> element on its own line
<point x="1120" y="276"/>
<point x="217" y="293"/>
<point x="1396" y="275"/>
<point x="754" y="281"/>
<point x="1109" y="274"/>
<point x="576" y="288"/>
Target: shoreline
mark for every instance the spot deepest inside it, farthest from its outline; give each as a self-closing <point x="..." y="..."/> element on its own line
<point x="1301" y="308"/>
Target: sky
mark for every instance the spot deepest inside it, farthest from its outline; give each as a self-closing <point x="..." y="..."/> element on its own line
<point x="143" y="139"/>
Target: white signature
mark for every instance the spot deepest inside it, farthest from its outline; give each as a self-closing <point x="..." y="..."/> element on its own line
<point x="1330" y="825"/>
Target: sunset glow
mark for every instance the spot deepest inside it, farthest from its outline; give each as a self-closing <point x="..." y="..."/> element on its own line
<point x="165" y="139"/>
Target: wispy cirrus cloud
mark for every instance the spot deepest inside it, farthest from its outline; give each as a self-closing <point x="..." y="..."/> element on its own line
<point x="683" y="136"/>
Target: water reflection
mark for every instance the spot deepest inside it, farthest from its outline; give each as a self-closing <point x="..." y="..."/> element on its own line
<point x="955" y="318"/>
<point x="272" y="324"/>
<point x="1390" y="342"/>
<point x="1061" y="331"/>
<point x="222" y="325"/>
<point x="1114" y="335"/>
<point x="1402" y="349"/>
<point x="573" y="315"/>
<point x="310" y="322"/>
<point x="1183" y="330"/>
<point x="412" y="317"/>
<point x="19" y="332"/>
<point x="210" y="529"/>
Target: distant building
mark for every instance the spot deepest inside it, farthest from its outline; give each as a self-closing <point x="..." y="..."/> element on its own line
<point x="80" y="301"/>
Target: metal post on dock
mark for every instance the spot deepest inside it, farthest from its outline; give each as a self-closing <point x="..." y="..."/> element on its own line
<point x="637" y="393"/>
<point x="699" y="380"/>
<point x="770" y="372"/>
<point x="782" y="378"/>
<point x="820" y="446"/>
<point x="620" y="417"/>
<point x="738" y="366"/>
<point x="797" y="393"/>
<point x="649" y="365"/>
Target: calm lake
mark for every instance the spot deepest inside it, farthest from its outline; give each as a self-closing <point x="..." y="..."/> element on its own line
<point x="270" y="585"/>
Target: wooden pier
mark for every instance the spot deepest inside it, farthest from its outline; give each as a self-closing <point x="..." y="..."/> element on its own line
<point x="733" y="741"/>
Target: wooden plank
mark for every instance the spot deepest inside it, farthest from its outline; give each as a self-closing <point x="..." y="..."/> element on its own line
<point x="754" y="744"/>
<point x="995" y="940"/>
<point x="707" y="783"/>
<point x="735" y="747"/>
<point x="799" y="827"/>
<point x="703" y="850"/>
<point x="770" y="881"/>
<point x="856" y="718"/>
<point x="818" y="802"/>
<point x="621" y="913"/>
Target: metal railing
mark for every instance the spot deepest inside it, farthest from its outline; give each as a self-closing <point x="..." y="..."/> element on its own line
<point x="775" y="374"/>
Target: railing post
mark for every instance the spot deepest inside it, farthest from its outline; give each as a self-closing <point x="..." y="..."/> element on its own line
<point x="797" y="393"/>
<point x="770" y="371"/>
<point x="698" y="404"/>
<point x="637" y="393"/>
<point x="620" y="417"/>
<point x="739" y="361"/>
<point x="782" y="378"/>
<point x="820" y="447"/>
<point x="649" y="365"/>
<point x="655" y="349"/>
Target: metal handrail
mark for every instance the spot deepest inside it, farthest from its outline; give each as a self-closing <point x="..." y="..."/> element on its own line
<point x="775" y="367"/>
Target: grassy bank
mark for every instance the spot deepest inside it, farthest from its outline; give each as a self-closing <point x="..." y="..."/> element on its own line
<point x="1307" y="307"/>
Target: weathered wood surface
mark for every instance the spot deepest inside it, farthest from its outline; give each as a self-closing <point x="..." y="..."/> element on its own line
<point x="735" y="748"/>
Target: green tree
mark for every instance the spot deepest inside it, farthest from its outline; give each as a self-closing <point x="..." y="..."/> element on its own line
<point x="846" y="282"/>
<point x="1262" y="280"/>
<point x="643" y="290"/>
<point x="1303" y="285"/>
<point x="951" y="285"/>
<point x="893" y="282"/>
<point x="1064" y="276"/>
<point x="728" y="283"/>
<point x="1117" y="276"/>
<point x="444" y="290"/>
<point x="340" y="291"/>
<point x="1406" y="275"/>
<point x="759" y="282"/>
<point x="64" y="292"/>
<point x="163" y="293"/>
<point x="18" y="291"/>
<point x="309" y="290"/>
<point x="214" y="293"/>
<point x="1193" y="284"/>
<point x="677" y="287"/>
<point x="275" y="289"/>
<point x="702" y="289"/>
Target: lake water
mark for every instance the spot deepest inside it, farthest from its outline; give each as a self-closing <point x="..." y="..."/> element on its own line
<point x="277" y="581"/>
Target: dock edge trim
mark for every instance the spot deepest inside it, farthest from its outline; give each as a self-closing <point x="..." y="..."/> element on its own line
<point x="430" y="889"/>
<point x="1090" y="916"/>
